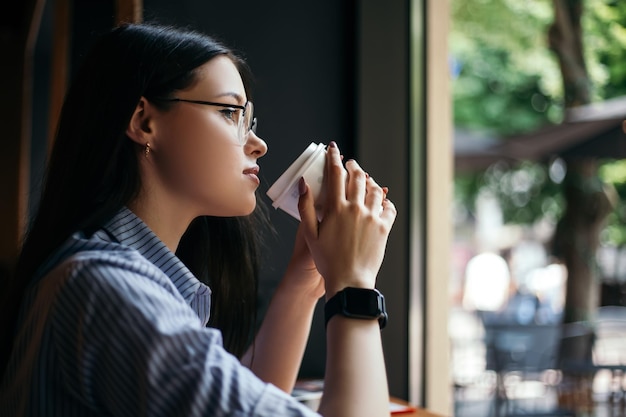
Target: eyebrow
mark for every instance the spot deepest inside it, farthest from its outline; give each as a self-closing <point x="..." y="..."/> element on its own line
<point x="234" y="95"/>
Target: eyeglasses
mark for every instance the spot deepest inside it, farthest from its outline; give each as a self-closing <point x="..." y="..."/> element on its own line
<point x="244" y="117"/>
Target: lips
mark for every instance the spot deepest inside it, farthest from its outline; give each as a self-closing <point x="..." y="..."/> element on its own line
<point x="253" y="173"/>
<point x="253" y="170"/>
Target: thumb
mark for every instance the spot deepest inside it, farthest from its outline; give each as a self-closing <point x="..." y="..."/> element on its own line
<point x="306" y="207"/>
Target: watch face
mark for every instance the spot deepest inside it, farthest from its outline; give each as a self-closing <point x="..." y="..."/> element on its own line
<point x="362" y="303"/>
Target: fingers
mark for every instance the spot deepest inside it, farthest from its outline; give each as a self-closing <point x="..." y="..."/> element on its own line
<point x="306" y="207"/>
<point x="389" y="212"/>
<point x="335" y="177"/>
<point x="356" y="186"/>
<point x="375" y="195"/>
<point x="376" y="199"/>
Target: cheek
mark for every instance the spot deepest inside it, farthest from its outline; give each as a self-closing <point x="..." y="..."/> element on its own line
<point x="192" y="168"/>
<point x="188" y="158"/>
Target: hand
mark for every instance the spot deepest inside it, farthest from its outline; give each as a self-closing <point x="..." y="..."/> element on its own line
<point x="348" y="245"/>
<point x="302" y="275"/>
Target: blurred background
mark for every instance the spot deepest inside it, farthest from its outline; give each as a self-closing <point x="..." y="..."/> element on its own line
<point x="538" y="316"/>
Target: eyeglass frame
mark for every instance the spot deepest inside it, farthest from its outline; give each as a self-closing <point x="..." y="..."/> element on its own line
<point x="240" y="127"/>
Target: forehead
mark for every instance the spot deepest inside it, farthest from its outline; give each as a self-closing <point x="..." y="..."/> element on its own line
<point x="217" y="77"/>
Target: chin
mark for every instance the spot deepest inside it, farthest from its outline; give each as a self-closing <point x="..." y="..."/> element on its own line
<point x="241" y="209"/>
<point x="246" y="210"/>
<point x="250" y="210"/>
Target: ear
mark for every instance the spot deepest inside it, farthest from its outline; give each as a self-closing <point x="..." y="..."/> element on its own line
<point x="140" y="128"/>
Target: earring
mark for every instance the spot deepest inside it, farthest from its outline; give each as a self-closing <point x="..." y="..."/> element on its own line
<point x="147" y="149"/>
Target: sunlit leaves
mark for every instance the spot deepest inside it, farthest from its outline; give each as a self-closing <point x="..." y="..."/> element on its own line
<point x="506" y="80"/>
<point x="508" y="77"/>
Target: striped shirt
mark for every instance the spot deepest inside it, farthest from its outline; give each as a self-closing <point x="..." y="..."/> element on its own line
<point x="116" y="327"/>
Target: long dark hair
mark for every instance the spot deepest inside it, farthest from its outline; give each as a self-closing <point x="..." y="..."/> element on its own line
<point x="93" y="172"/>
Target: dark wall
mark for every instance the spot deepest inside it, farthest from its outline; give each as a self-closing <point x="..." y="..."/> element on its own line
<point x="302" y="55"/>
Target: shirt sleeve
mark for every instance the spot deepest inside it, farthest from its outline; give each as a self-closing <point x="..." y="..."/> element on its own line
<point x="129" y="345"/>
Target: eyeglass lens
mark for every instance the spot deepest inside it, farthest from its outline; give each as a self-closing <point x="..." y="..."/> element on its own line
<point x="245" y="123"/>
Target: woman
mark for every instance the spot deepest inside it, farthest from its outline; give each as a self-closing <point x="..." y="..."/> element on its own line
<point x="147" y="227"/>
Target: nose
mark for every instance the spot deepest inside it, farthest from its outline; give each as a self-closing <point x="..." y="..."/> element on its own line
<point x="255" y="145"/>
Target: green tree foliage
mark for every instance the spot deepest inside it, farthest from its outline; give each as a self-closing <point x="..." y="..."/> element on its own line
<point x="506" y="76"/>
<point x="614" y="173"/>
<point x="605" y="28"/>
<point x="507" y="81"/>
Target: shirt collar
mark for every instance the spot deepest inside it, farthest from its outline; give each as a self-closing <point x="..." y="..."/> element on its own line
<point x="129" y="230"/>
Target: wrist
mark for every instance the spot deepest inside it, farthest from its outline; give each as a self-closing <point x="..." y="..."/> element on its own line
<point x="335" y="286"/>
<point x="357" y="303"/>
<point x="300" y="290"/>
<point x="302" y="279"/>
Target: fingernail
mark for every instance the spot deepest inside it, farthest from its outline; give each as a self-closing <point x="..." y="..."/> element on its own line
<point x="332" y="144"/>
<point x="301" y="186"/>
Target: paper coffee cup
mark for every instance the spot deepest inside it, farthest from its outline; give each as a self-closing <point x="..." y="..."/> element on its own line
<point x="310" y="165"/>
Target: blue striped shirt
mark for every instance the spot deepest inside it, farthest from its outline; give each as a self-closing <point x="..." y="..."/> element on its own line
<point x="116" y="327"/>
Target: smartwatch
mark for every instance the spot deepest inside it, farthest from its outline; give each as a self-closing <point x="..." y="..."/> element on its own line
<point x="357" y="303"/>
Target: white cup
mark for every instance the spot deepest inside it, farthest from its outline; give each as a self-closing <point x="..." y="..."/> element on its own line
<point x="310" y="165"/>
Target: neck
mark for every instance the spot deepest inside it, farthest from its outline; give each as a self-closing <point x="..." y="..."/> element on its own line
<point x="166" y="220"/>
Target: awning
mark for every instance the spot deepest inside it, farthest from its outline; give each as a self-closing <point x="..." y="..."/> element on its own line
<point x="589" y="131"/>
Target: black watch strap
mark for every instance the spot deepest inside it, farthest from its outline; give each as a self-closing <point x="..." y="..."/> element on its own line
<point x="358" y="303"/>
